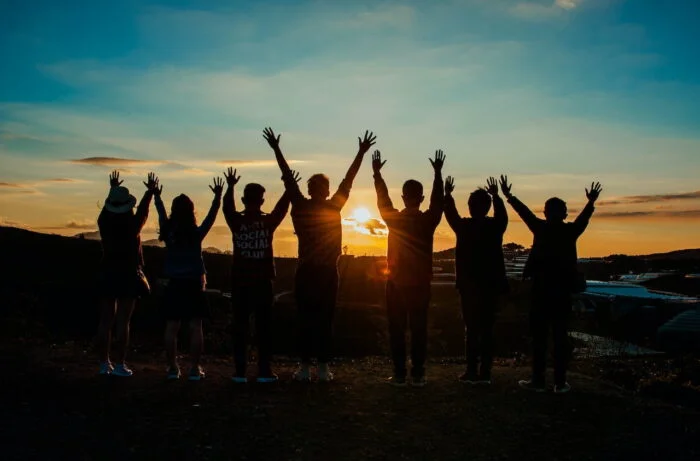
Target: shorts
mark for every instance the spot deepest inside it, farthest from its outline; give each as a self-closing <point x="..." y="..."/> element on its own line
<point x="185" y="299"/>
<point x="121" y="284"/>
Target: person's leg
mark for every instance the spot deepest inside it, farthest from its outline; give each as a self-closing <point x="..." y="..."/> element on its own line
<point x="172" y="327"/>
<point x="560" y="326"/>
<point x="327" y="301"/>
<point x="125" y="308"/>
<point x="104" y="330"/>
<point x="539" y="328"/>
<point x="196" y="341"/>
<point x="470" y="332"/>
<point x="487" y="320"/>
<point x="263" y="310"/>
<point x="305" y="307"/>
<point x="418" y="317"/>
<point x="396" y="317"/>
<point x="241" y="323"/>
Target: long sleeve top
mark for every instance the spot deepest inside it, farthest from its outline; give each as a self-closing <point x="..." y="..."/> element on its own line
<point x="120" y="234"/>
<point x="553" y="255"/>
<point x="479" y="253"/>
<point x="184" y="259"/>
<point x="411" y="231"/>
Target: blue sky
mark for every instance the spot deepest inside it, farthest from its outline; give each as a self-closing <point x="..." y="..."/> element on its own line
<point x="554" y="93"/>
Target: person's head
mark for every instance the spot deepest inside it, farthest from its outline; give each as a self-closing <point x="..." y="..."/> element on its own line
<point x="412" y="193"/>
<point x="120" y="201"/>
<point x="182" y="223"/>
<point x="253" y="196"/>
<point x="479" y="203"/>
<point x="319" y="186"/>
<point x="555" y="210"/>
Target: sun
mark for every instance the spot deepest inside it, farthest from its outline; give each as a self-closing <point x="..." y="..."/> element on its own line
<point x="361" y="215"/>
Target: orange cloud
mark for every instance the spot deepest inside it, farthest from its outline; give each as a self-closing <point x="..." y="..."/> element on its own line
<point x="255" y="163"/>
<point x="114" y="161"/>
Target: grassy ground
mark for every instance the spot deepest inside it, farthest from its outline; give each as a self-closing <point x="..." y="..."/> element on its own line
<point x="54" y="407"/>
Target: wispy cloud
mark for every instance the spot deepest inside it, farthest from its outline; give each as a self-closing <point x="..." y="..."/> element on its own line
<point x="636" y="199"/>
<point x="255" y="163"/>
<point x="114" y="161"/>
<point x="11" y="185"/>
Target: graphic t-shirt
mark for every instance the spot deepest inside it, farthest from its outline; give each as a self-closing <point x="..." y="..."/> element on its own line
<point x="253" y="258"/>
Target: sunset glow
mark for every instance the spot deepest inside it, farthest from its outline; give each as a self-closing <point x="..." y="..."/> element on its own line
<point x="501" y="86"/>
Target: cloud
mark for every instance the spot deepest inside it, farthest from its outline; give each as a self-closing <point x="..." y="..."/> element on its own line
<point x="114" y="161"/>
<point x="62" y="180"/>
<point x="256" y="163"/>
<point x="372" y="226"/>
<point x="11" y="185"/>
<point x="649" y="213"/>
<point x="533" y="11"/>
<point x="81" y="225"/>
<point x="567" y="4"/>
<point x="636" y="199"/>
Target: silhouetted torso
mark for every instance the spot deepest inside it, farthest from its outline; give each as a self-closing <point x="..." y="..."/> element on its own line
<point x="410" y="247"/>
<point x="317" y="224"/>
<point x="121" y="237"/>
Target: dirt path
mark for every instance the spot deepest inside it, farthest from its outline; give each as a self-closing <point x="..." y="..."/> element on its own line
<point x="54" y="407"/>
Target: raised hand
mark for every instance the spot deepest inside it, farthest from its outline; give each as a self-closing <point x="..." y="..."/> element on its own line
<point x="593" y="194"/>
<point x="439" y="160"/>
<point x="218" y="186"/>
<point x="231" y="178"/>
<point x="114" y="179"/>
<point x="295" y="175"/>
<point x="152" y="184"/>
<point x="449" y="185"/>
<point x="272" y="140"/>
<point x="367" y="142"/>
<point x="505" y="187"/>
<point x="377" y="162"/>
<point x="492" y="186"/>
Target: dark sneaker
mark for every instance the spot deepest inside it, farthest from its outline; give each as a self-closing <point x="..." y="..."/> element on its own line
<point x="106" y="368"/>
<point x="196" y="374"/>
<point x="173" y="373"/>
<point x="468" y="378"/>
<point x="268" y="378"/>
<point x="562" y="389"/>
<point x="302" y="375"/>
<point x="531" y="386"/>
<point x="419" y="381"/>
<point x="122" y="370"/>
<point x="397" y="381"/>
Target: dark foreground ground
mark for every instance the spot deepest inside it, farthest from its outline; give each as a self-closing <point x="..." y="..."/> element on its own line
<point x="54" y="407"/>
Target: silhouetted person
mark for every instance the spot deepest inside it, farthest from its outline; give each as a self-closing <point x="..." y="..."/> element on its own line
<point x="481" y="272"/>
<point x="253" y="272"/>
<point x="184" y="298"/>
<point x="552" y="267"/>
<point x="122" y="280"/>
<point x="317" y="223"/>
<point x="410" y="267"/>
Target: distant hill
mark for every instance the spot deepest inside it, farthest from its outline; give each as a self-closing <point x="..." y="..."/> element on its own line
<point x="678" y="255"/>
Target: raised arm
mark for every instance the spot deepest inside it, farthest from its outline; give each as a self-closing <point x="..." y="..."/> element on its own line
<point x="451" y="213"/>
<point x="208" y="222"/>
<point x="274" y="142"/>
<point x="343" y="193"/>
<point x="500" y="215"/>
<point x="386" y="208"/>
<point x="229" y="205"/>
<point x="145" y="203"/>
<point x="532" y="221"/>
<point x="437" y="197"/>
<point x="160" y="208"/>
<point x="584" y="217"/>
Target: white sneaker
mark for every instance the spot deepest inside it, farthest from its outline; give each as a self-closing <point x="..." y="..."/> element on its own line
<point x="324" y="374"/>
<point x="122" y="370"/>
<point x="302" y="375"/>
<point x="239" y="379"/>
<point x="106" y="368"/>
<point x="196" y="374"/>
<point x="173" y="373"/>
<point x="562" y="389"/>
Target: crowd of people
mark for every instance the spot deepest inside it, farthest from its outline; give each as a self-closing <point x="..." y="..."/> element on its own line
<point x="480" y="269"/>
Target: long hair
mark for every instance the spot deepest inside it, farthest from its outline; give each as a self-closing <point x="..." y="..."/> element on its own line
<point x="181" y="226"/>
